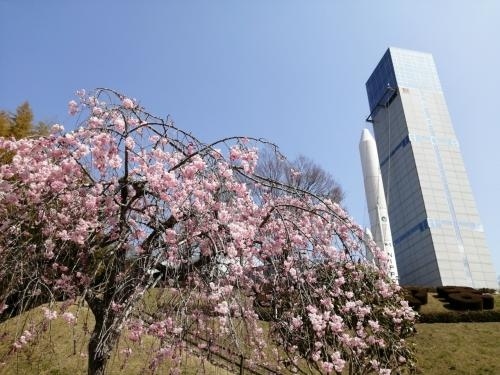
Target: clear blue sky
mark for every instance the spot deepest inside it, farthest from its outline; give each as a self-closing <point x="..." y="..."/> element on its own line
<point x="290" y="71"/>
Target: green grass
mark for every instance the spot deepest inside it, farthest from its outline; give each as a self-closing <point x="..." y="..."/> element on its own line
<point x="458" y="348"/>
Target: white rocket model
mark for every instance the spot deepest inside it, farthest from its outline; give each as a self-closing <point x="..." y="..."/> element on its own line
<point x="375" y="199"/>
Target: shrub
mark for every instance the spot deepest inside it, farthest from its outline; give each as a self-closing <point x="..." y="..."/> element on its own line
<point x="444" y="291"/>
<point x="465" y="301"/>
<point x="416" y="293"/>
<point x="421" y="295"/>
<point x="488" y="301"/>
<point x="431" y="289"/>
<point x="460" y="317"/>
<point x="487" y="290"/>
<point x="413" y="302"/>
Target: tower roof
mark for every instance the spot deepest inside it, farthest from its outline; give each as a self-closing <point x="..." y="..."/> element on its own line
<point x="400" y="67"/>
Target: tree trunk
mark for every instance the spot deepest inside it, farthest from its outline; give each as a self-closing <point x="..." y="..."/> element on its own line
<point x="102" y="342"/>
<point x="97" y="363"/>
<point x="98" y="358"/>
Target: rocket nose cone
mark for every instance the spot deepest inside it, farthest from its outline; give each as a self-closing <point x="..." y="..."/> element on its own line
<point x="366" y="136"/>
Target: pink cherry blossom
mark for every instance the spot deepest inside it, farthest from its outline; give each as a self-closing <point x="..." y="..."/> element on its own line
<point x="128" y="103"/>
<point x="129" y="204"/>
<point x="49" y="314"/>
<point x="72" y="107"/>
<point x="69" y="318"/>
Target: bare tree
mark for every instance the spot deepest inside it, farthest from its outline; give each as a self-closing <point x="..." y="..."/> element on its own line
<point x="302" y="173"/>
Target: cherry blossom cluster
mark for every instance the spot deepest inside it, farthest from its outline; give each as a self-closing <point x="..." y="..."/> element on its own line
<point x="129" y="205"/>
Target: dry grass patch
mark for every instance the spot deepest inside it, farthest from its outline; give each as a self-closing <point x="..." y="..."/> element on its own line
<point x="458" y="348"/>
<point x="62" y="351"/>
<point x="452" y="348"/>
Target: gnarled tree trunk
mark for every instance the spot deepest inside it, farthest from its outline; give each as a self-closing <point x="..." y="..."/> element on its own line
<point x="104" y="336"/>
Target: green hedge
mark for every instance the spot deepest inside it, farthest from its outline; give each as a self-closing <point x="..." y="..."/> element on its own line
<point x="488" y="301"/>
<point x="413" y="302"/>
<point x="465" y="301"/>
<point x="415" y="295"/>
<point x="467" y="304"/>
<point x="458" y="296"/>
<point x="444" y="291"/>
<point x="461" y="317"/>
<point x="487" y="290"/>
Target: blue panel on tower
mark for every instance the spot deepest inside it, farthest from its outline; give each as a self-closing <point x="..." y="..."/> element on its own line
<point x="382" y="79"/>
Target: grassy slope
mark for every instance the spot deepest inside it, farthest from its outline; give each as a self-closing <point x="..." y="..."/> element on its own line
<point x="458" y="348"/>
<point x="463" y="348"/>
<point x="61" y="352"/>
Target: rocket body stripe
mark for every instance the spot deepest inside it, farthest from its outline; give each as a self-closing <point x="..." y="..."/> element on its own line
<point x="375" y="199"/>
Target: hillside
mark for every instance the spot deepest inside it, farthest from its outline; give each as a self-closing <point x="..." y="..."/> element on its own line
<point x="453" y="348"/>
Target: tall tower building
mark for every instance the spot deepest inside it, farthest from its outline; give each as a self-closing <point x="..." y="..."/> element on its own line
<point x="437" y="234"/>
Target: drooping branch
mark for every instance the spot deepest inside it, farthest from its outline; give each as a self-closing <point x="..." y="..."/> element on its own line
<point x="130" y="204"/>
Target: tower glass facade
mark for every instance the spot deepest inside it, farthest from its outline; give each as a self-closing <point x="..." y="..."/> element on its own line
<point x="437" y="234"/>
